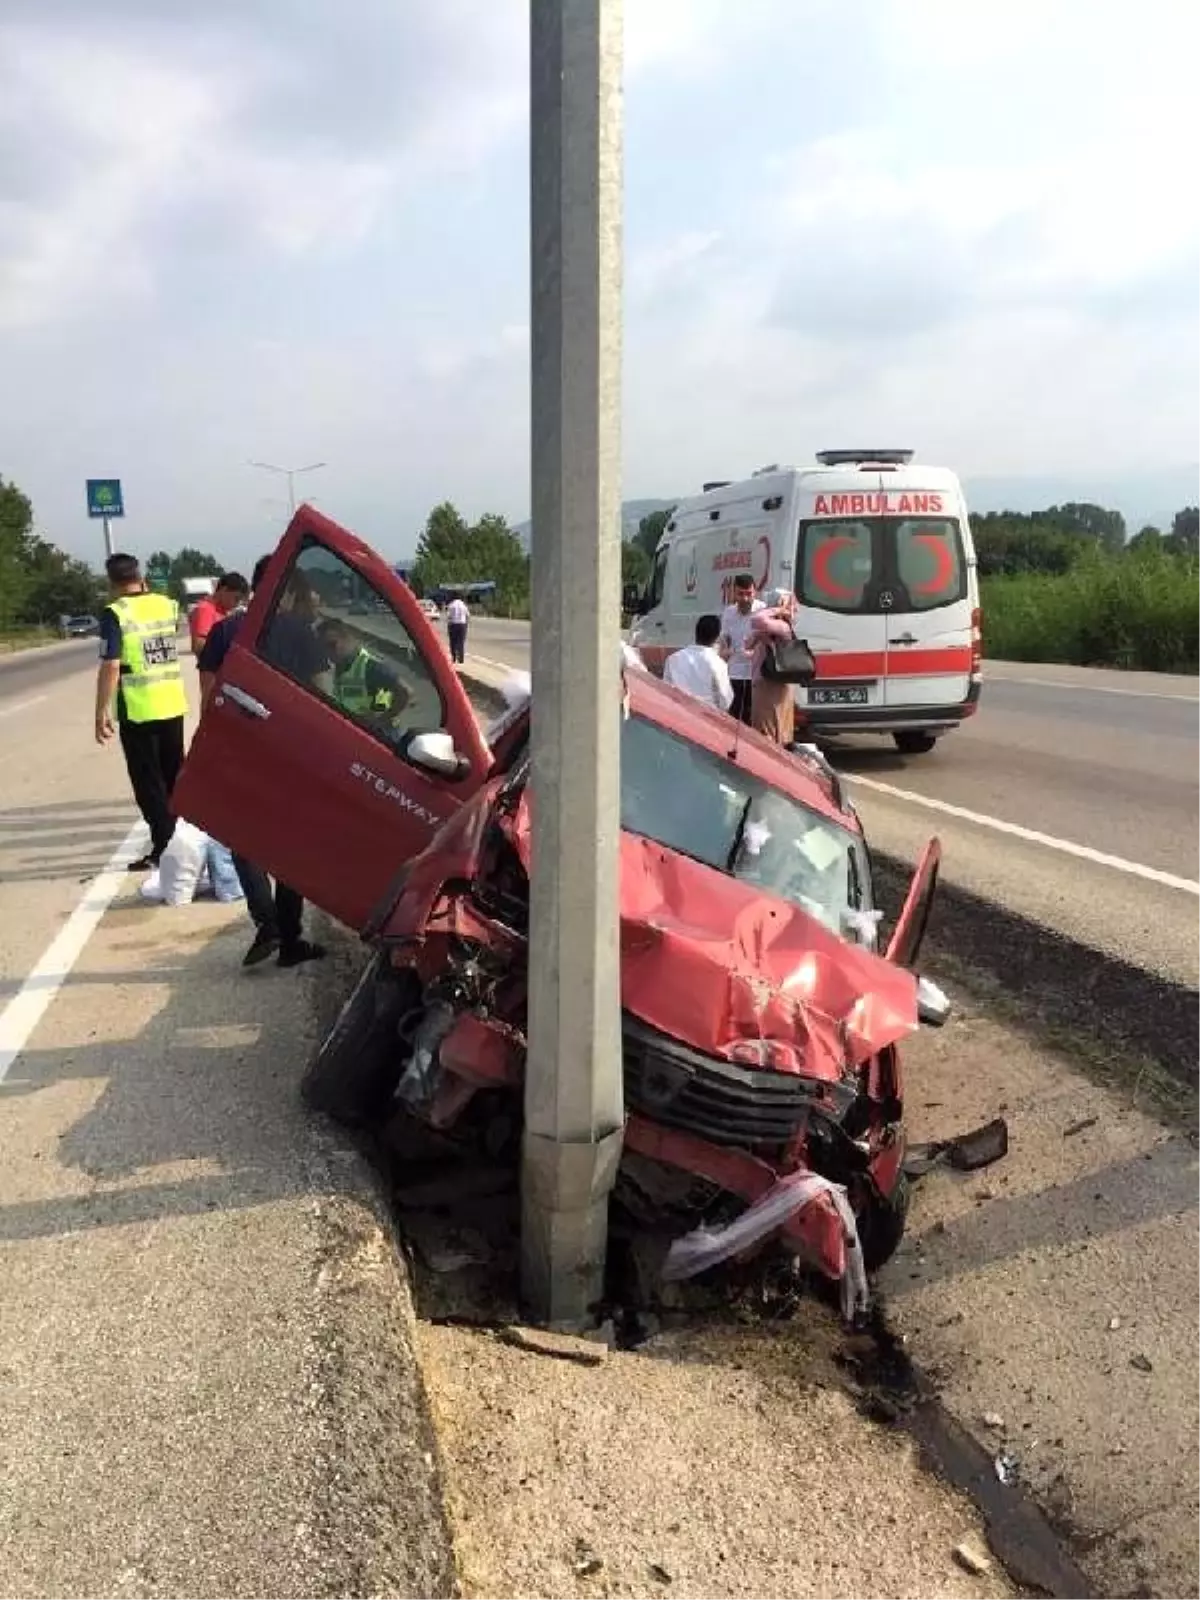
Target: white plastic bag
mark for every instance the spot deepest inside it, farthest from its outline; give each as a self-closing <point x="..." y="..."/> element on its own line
<point x="182" y="864"/>
<point x="151" y="888"/>
<point x="704" y="1247"/>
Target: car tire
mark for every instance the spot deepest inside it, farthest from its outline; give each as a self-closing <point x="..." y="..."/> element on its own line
<point x="881" y="1224"/>
<point x="354" y="1071"/>
<point x="912" y="742"/>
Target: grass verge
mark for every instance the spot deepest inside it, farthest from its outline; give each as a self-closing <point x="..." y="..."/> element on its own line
<point x="1141" y="613"/>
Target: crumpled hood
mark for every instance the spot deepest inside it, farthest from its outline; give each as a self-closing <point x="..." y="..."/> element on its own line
<point x="734" y="972"/>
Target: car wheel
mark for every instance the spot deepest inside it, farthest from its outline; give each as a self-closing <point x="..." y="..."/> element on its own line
<point x="881" y="1224"/>
<point x="355" y="1069"/>
<point x="911" y="742"/>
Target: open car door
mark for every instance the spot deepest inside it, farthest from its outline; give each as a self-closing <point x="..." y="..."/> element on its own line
<point x="309" y="758"/>
<point x="913" y="921"/>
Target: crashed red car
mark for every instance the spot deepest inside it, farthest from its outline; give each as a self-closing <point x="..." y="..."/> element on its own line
<point x="760" y="1029"/>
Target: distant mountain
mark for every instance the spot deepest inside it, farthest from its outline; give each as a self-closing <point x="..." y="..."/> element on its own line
<point x="1140" y="497"/>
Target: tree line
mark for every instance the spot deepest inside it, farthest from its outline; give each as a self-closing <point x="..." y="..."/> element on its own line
<point x="451" y="550"/>
<point x="1006" y="542"/>
<point x="39" y="582"/>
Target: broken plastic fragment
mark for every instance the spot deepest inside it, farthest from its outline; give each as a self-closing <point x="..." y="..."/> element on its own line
<point x="516" y="688"/>
<point x="755" y="838"/>
<point x="705" y="1247"/>
<point x="417" y="1081"/>
<point x="863" y="925"/>
<point x="971" y="1556"/>
<point x="820" y="847"/>
<point x="967" y="1153"/>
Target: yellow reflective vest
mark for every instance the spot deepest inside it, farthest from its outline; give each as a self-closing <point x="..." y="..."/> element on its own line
<point x="151" y="675"/>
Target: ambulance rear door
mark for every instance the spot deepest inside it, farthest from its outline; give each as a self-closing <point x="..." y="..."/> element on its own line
<point x="838" y="582"/>
<point x="929" y="624"/>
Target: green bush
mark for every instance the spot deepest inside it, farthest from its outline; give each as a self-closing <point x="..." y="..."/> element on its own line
<point x="1134" y="610"/>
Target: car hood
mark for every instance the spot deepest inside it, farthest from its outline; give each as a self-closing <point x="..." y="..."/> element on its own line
<point x="731" y="971"/>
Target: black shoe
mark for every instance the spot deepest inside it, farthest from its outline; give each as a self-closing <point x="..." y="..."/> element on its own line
<point x="143" y="864"/>
<point x="266" y="942"/>
<point x="303" y="950"/>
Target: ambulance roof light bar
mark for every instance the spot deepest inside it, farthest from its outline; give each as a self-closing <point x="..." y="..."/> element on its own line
<point x="859" y="458"/>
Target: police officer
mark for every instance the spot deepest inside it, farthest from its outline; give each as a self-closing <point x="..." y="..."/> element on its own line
<point x="362" y="685"/>
<point x="140" y="685"/>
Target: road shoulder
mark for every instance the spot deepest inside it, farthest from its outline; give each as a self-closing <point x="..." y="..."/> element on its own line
<point x="205" y="1322"/>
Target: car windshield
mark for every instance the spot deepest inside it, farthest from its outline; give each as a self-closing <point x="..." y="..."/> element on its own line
<point x="690" y="800"/>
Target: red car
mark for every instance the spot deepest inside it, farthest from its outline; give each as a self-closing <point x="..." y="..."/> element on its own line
<point x="762" y="1076"/>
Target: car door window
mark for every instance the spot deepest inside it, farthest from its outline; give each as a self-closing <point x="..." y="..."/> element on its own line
<point x="332" y="632"/>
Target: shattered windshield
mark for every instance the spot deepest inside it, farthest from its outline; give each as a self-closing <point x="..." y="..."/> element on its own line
<point x="692" y="801"/>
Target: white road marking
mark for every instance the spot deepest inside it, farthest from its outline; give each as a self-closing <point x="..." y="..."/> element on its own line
<point x="1066" y="847"/>
<point x="29" y="1005"/>
<point x="1094" y="688"/>
<point x="22" y="705"/>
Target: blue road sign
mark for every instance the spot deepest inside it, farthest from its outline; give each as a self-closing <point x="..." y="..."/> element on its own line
<point x="104" y="497"/>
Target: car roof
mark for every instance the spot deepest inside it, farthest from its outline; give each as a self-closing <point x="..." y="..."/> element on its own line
<point x="802" y="777"/>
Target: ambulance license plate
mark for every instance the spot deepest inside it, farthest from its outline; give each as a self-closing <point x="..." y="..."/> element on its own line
<point x="849" y="694"/>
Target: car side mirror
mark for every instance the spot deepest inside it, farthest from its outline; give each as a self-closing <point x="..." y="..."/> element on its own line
<point x="435" y="752"/>
<point x="933" y="1004"/>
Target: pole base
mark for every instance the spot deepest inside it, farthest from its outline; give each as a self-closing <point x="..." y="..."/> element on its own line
<point x="564" y="1227"/>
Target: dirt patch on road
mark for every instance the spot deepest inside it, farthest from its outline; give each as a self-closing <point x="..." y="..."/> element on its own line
<point x="714" y="1462"/>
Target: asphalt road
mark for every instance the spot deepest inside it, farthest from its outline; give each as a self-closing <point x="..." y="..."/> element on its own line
<point x="187" y="1260"/>
<point x="1072" y="800"/>
<point x="196" y="1297"/>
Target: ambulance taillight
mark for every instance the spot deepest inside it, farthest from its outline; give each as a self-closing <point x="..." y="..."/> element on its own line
<point x="976" y="646"/>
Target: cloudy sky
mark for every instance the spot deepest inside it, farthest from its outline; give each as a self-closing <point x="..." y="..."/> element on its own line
<point x="297" y="231"/>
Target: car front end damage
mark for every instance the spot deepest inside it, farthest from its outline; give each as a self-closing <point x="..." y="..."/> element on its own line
<point x="762" y="1078"/>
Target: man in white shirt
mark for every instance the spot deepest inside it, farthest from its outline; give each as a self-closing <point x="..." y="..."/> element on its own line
<point x="457" y="617"/>
<point x="699" y="669"/>
<point x="735" y="642"/>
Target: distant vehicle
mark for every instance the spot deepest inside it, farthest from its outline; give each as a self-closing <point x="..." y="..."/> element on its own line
<point x="430" y="608"/>
<point x="196" y="589"/>
<point x="81" y="627"/>
<point x="876" y="548"/>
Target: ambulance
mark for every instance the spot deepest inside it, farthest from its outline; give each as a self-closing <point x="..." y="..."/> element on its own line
<point x="878" y="552"/>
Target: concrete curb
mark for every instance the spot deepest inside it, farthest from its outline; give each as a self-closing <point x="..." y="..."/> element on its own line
<point x="382" y="1516"/>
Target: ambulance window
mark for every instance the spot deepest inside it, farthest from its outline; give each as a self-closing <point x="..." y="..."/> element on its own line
<point x="658" y="580"/>
<point x="837" y="565"/>
<point x="929" y="561"/>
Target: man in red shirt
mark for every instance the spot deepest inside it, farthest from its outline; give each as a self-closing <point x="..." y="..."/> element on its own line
<point x="231" y="591"/>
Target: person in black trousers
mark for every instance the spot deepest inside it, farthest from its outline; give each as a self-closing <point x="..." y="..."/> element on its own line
<point x="276" y="911"/>
<point x="140" y="696"/>
<point x="457" y="618"/>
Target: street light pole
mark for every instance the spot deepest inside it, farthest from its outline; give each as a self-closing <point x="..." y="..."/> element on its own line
<point x="291" y="474"/>
<point x="574" y="1110"/>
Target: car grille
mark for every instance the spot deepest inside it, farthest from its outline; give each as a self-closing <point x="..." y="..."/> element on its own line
<point x="667" y="1083"/>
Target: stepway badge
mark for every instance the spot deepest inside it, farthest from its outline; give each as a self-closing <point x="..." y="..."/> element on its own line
<point x="104" y="497"/>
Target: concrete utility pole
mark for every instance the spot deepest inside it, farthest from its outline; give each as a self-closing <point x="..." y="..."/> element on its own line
<point x="574" y="1110"/>
<point x="291" y="474"/>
